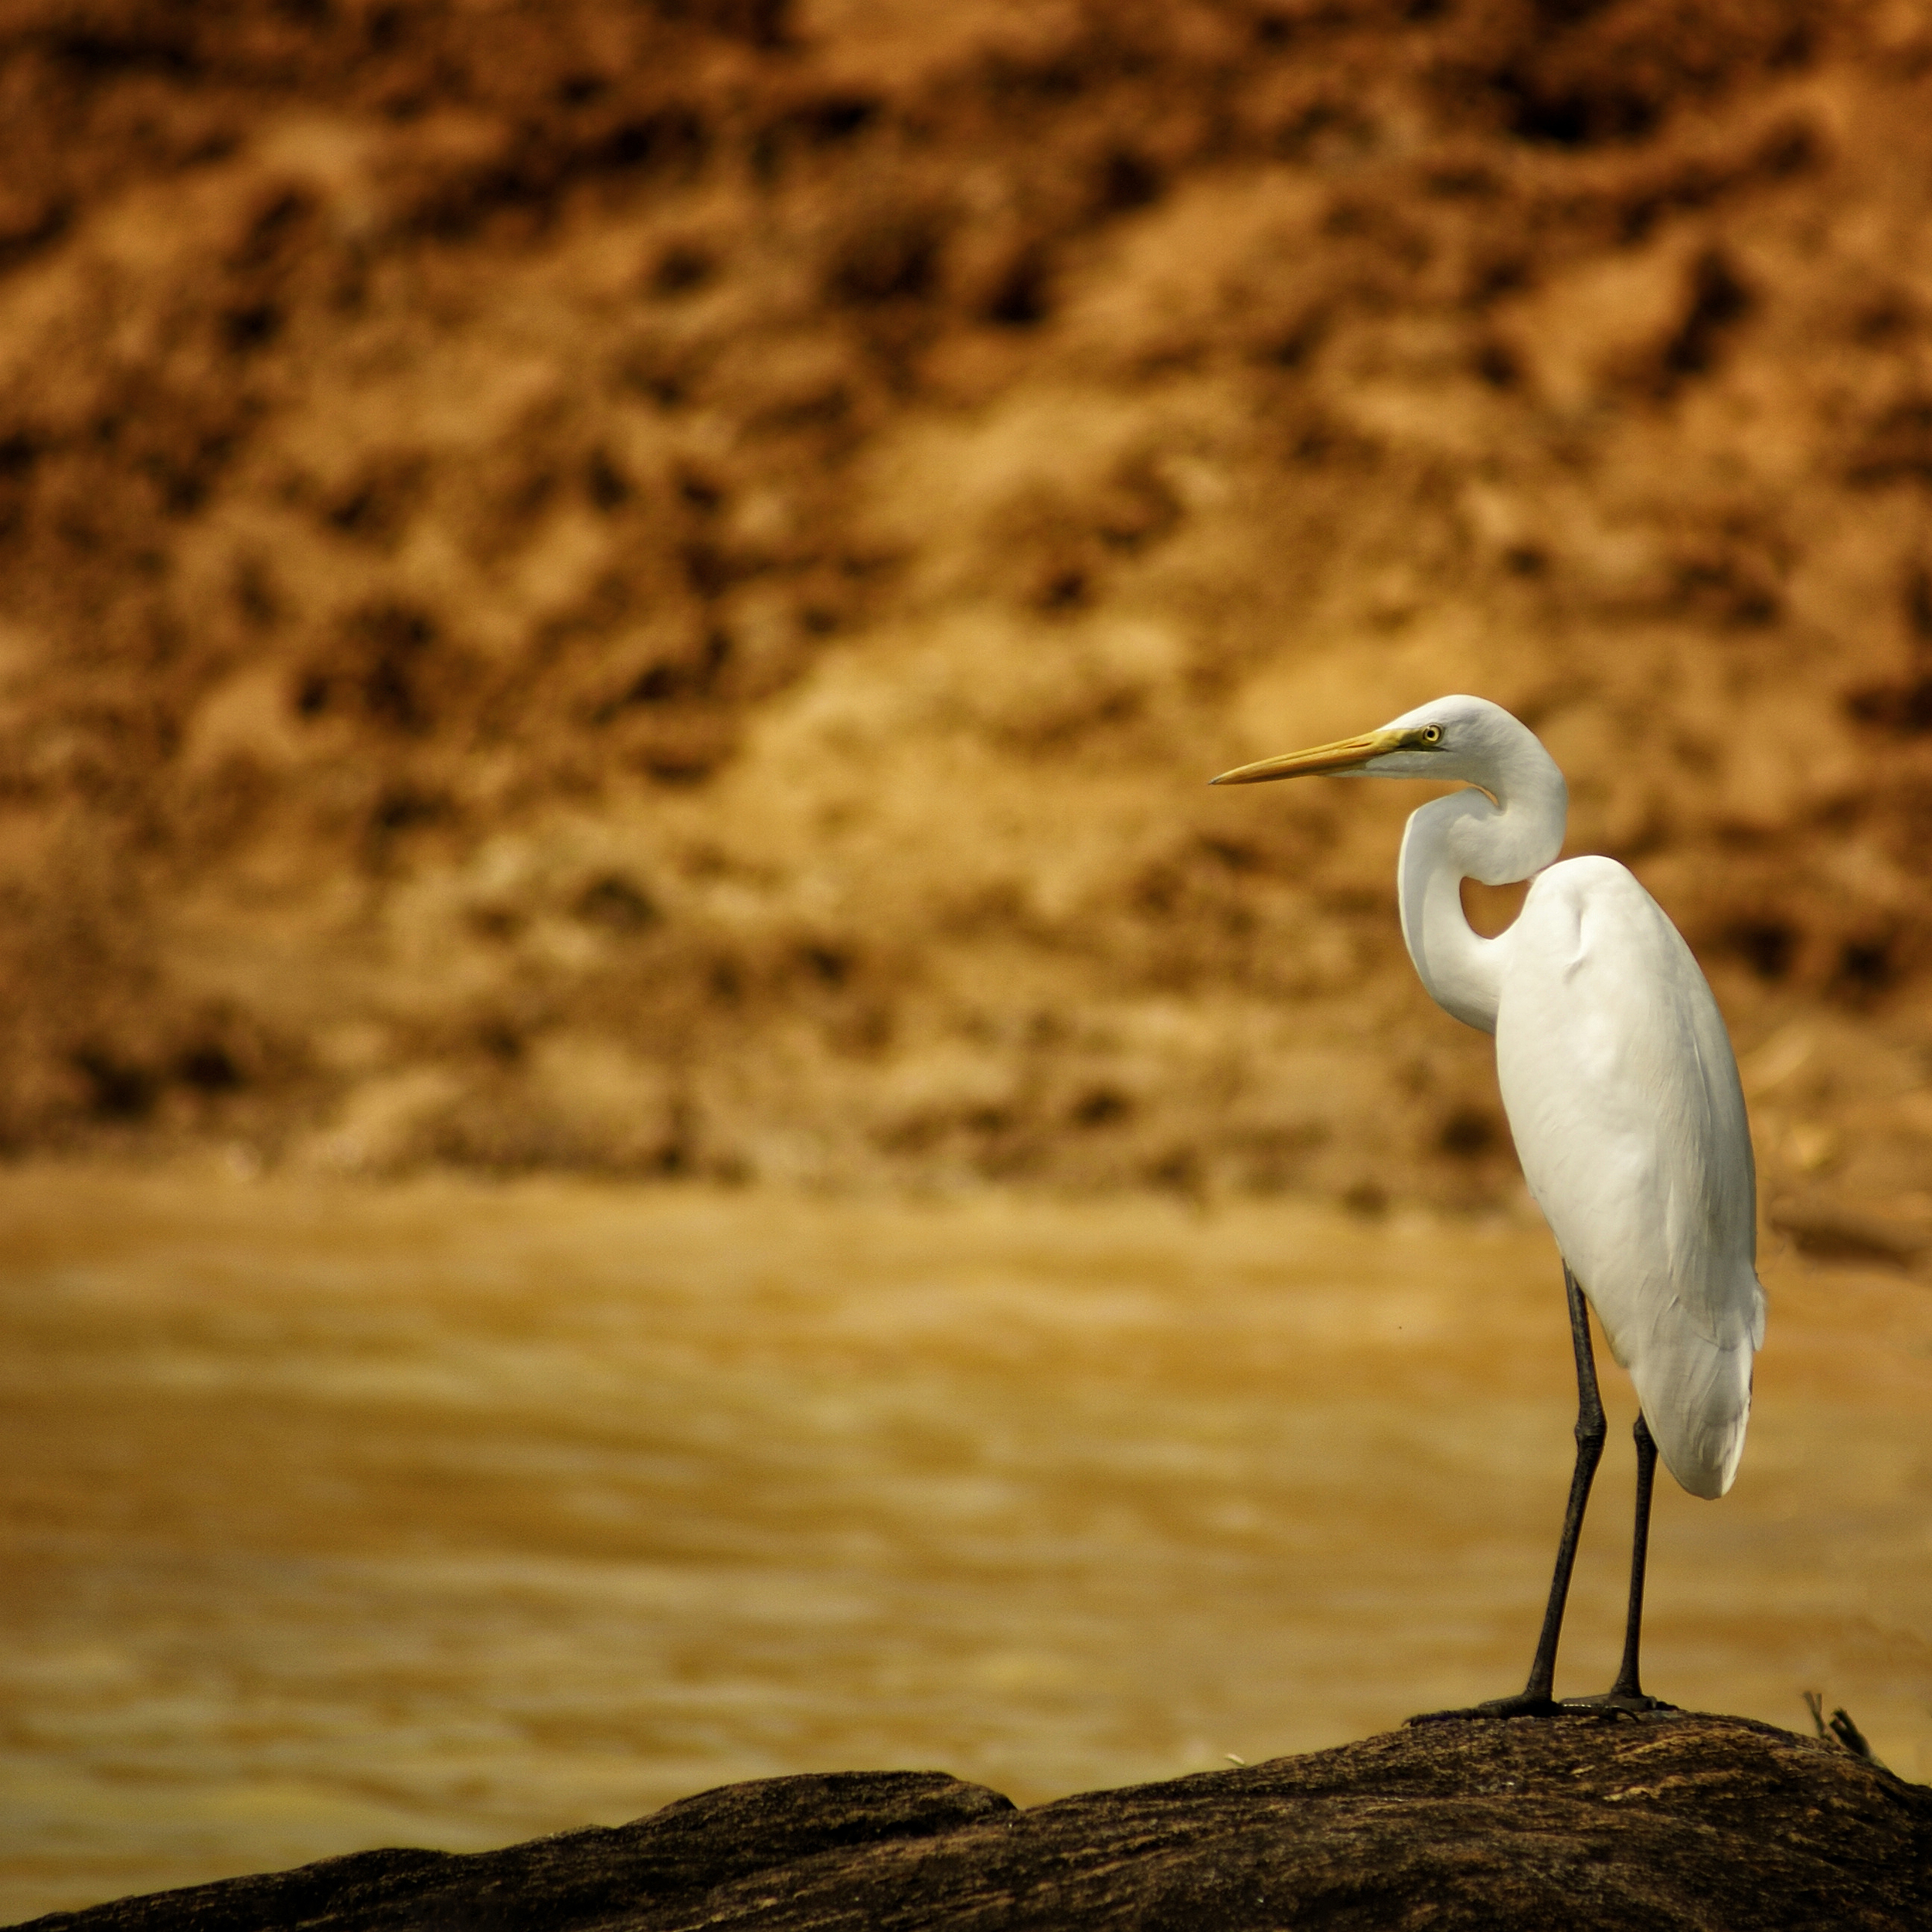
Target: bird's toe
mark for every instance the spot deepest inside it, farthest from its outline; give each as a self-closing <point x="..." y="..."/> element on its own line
<point x="1497" y="1708"/>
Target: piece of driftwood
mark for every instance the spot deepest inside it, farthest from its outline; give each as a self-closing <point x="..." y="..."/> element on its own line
<point x="1673" y="1820"/>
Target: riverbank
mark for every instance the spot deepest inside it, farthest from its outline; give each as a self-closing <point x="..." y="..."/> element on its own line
<point x="1673" y="1823"/>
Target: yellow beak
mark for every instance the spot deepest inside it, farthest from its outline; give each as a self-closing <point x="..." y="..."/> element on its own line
<point x="1346" y="754"/>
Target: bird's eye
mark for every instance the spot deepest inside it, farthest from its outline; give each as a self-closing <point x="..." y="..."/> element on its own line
<point x="1432" y="734"/>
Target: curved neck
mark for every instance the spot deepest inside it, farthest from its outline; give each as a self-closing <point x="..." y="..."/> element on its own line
<point x="1466" y="835"/>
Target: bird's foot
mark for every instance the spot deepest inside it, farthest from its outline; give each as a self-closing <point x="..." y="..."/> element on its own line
<point x="1609" y="1703"/>
<point x="1522" y="1705"/>
<point x="1635" y="1703"/>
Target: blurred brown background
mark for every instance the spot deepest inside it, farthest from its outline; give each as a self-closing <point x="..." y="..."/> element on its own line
<point x="648" y="590"/>
<point x="652" y="587"/>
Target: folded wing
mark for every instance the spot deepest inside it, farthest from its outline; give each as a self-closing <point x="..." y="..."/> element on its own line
<point x="1622" y="1091"/>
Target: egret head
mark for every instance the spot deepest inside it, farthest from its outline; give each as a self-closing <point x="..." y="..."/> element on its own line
<point x="1458" y="738"/>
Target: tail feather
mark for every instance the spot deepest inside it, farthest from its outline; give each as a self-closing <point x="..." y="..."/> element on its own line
<point x="1697" y="1409"/>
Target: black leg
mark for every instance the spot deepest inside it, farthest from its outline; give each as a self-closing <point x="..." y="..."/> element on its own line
<point x="1591" y="1430"/>
<point x="1626" y="1684"/>
<point x="1538" y="1698"/>
<point x="1626" y="1694"/>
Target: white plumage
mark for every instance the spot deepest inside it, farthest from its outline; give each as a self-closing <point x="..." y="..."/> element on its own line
<point x="1617" y="1075"/>
<point x="1623" y="1096"/>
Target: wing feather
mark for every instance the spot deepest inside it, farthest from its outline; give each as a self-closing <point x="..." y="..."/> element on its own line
<point x="1622" y="1093"/>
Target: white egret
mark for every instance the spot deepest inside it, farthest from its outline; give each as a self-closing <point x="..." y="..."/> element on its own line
<point x="1622" y="1094"/>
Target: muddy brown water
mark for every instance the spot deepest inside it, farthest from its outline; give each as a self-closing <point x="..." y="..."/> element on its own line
<point x="444" y="1514"/>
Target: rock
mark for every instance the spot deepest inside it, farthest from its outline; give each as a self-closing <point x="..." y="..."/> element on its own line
<point x="1671" y="1821"/>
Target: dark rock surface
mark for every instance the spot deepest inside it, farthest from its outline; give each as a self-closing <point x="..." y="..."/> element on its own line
<point x="1677" y="1821"/>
